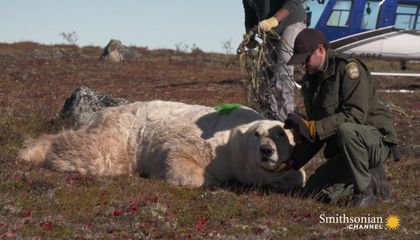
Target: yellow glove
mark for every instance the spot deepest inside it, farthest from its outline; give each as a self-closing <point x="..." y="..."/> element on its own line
<point x="306" y="128"/>
<point x="311" y="127"/>
<point x="268" y="24"/>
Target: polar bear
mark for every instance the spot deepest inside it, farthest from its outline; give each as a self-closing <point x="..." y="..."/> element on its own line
<point x="183" y="144"/>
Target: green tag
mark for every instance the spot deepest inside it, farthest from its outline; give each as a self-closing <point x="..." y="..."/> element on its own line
<point x="227" y="108"/>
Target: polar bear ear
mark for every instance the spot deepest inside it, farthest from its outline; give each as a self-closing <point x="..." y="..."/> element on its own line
<point x="244" y="128"/>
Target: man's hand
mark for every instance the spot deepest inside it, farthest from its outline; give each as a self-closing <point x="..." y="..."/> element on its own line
<point x="307" y="129"/>
<point x="268" y="24"/>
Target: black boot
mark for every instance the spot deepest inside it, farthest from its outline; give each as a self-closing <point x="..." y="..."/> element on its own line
<point x="380" y="184"/>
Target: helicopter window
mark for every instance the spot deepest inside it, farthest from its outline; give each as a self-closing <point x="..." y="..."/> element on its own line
<point x="370" y="14"/>
<point x="340" y="14"/>
<point x="407" y="16"/>
<point x="314" y="10"/>
<point x="417" y="27"/>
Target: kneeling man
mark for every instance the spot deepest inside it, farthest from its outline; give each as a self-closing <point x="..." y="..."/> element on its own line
<point x="345" y="115"/>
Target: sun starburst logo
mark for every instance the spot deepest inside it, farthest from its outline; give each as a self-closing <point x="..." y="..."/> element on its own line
<point x="392" y="222"/>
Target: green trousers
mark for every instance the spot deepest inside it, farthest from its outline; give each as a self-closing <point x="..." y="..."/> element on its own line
<point x="360" y="148"/>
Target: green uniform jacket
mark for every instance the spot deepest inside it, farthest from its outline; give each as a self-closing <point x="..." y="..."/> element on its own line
<point x="344" y="92"/>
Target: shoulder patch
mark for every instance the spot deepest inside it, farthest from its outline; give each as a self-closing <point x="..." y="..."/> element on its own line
<point x="352" y="70"/>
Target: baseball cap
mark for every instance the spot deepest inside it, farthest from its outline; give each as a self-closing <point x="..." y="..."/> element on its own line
<point x="305" y="43"/>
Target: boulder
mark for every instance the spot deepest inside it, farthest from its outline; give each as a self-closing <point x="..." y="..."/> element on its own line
<point x="115" y="51"/>
<point x="83" y="105"/>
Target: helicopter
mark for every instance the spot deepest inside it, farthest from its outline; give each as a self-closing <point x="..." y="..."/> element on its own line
<point x="378" y="29"/>
<point x="341" y="18"/>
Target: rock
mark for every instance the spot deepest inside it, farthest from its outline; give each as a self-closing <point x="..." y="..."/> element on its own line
<point x="82" y="106"/>
<point x="115" y="51"/>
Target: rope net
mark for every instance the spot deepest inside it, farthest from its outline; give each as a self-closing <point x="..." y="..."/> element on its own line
<point x="258" y="55"/>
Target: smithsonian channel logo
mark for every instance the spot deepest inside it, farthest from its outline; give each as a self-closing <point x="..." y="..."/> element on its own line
<point x="367" y="222"/>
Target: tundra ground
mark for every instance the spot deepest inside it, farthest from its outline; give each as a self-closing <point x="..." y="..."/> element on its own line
<point x="36" y="203"/>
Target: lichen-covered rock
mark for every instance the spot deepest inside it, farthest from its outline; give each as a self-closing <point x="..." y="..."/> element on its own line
<point x="82" y="106"/>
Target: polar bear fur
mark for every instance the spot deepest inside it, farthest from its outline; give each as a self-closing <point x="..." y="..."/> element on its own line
<point x="183" y="144"/>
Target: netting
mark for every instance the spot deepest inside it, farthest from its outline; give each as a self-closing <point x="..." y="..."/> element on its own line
<point x="258" y="55"/>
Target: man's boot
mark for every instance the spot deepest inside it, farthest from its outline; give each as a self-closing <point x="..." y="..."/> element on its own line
<point x="363" y="199"/>
<point x="380" y="184"/>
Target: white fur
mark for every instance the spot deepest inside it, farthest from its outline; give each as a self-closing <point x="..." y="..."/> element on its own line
<point x="183" y="144"/>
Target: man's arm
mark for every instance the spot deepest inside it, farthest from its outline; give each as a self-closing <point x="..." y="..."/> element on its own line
<point x="288" y="8"/>
<point x="281" y="14"/>
<point x="303" y="152"/>
<point x="251" y="18"/>
<point x="355" y="90"/>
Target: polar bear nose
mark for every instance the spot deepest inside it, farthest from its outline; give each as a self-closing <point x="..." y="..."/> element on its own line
<point x="266" y="150"/>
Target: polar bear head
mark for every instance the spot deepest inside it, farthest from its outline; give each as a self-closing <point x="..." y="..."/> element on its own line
<point x="258" y="149"/>
<point x="269" y="143"/>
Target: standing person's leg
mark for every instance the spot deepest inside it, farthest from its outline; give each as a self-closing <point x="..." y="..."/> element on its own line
<point x="284" y="73"/>
<point x="276" y="88"/>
